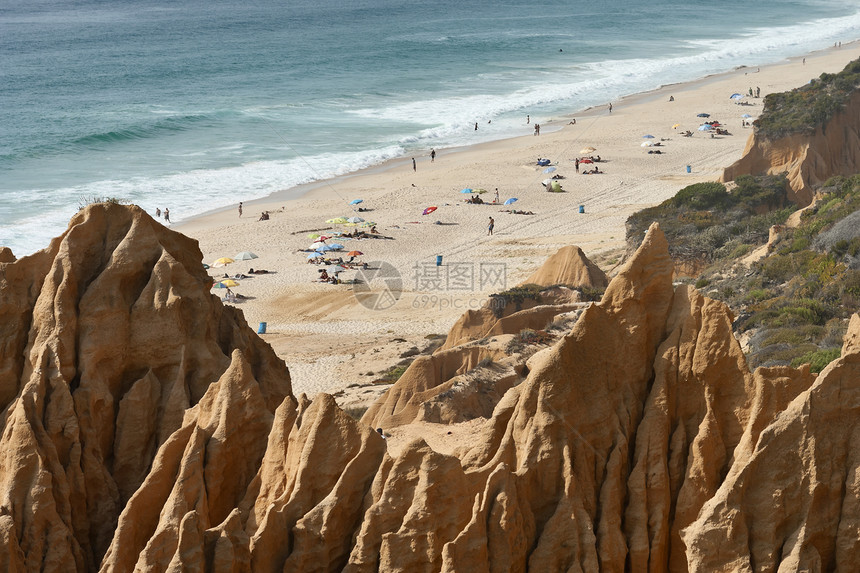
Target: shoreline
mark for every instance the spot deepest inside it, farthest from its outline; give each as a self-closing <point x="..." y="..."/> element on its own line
<point x="270" y="202"/>
<point x="332" y="343"/>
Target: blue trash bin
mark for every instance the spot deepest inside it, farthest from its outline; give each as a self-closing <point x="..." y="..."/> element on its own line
<point x="582" y="208"/>
<point x="262" y="328"/>
<point x="688" y="169"/>
<point x="438" y="260"/>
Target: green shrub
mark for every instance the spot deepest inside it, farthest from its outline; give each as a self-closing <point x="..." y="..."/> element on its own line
<point x="817" y="359"/>
<point x="701" y="196"/>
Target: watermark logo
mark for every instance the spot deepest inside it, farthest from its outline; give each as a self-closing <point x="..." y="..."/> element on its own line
<point x="379" y="286"/>
<point x="459" y="276"/>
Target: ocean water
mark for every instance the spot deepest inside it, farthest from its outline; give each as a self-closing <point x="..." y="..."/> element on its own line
<point x="196" y="105"/>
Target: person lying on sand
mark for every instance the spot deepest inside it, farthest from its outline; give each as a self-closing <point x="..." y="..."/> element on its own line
<point x="323" y="275"/>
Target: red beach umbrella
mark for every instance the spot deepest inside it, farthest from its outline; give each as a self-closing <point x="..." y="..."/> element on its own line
<point x="428" y="210"/>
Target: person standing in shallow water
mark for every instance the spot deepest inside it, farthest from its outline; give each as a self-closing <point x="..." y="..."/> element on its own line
<point x="432" y="155"/>
<point x="167" y="214"/>
<point x="476" y="126"/>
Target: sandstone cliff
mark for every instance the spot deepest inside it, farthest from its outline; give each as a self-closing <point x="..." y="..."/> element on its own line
<point x="146" y="428"/>
<point x="807" y="159"/>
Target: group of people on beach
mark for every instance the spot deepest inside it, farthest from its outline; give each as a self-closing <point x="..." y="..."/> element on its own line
<point x="166" y="213"/>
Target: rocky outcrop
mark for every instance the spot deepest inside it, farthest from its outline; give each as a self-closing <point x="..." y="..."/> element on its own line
<point x="107" y="337"/>
<point x="808" y="159"/>
<point x="149" y="429"/>
<point x="568" y="267"/>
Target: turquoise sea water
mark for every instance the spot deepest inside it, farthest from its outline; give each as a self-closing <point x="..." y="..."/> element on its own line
<point x="194" y="105"/>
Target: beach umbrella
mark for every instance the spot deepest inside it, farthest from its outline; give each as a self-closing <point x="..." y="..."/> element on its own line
<point x="746" y="116"/>
<point x="337" y="221"/>
<point x="736" y="97"/>
<point x="429" y="210"/>
<point x="511" y="201"/>
<point x="480" y="191"/>
<point x="335" y="247"/>
<point x="223" y="262"/>
<point x="205" y="266"/>
<point x="466" y="190"/>
<point x="646" y="144"/>
<point x="356" y="201"/>
<point x="245" y="256"/>
<point x="703" y="115"/>
<point x="549" y="169"/>
<point x="368" y="224"/>
<point x="332" y="269"/>
<point x="649" y="136"/>
<point x="315" y="255"/>
<point x="705" y="127"/>
<point x="325" y="248"/>
<point x="313" y="236"/>
<point x="588" y="149"/>
<point x="354" y="254"/>
<point x="355" y="220"/>
<point x="317" y="246"/>
<point x="586" y="161"/>
<point x="226" y="284"/>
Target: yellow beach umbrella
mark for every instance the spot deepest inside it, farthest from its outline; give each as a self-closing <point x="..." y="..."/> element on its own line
<point x="314" y="236"/>
<point x="227" y="283"/>
<point x="588" y="149"/>
<point x="337" y="221"/>
<point x="223" y="262"/>
<point x="676" y="126"/>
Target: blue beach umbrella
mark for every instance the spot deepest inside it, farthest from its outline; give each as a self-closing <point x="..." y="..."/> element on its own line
<point x="335" y="246"/>
<point x="315" y="255"/>
<point x="356" y="201"/>
<point x="746" y="116"/>
<point x="736" y="97"/>
<point x="549" y="169"/>
<point x="511" y="201"/>
<point x="706" y="127"/>
<point x="466" y="190"/>
<point x="703" y="115"/>
<point x="649" y="136"/>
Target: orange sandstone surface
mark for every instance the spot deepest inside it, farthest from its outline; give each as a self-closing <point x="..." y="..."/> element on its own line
<point x="145" y="427"/>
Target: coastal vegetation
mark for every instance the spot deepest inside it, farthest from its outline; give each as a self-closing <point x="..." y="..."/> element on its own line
<point x="804" y="109"/>
<point x="793" y="303"/>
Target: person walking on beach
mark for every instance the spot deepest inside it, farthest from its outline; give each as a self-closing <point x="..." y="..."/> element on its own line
<point x="577" y="164"/>
<point x="496" y="200"/>
<point x="610" y="107"/>
<point x="432" y="155"/>
<point x="167" y="214"/>
<point x="414" y="167"/>
<point x="240" y="209"/>
<point x="490" y="228"/>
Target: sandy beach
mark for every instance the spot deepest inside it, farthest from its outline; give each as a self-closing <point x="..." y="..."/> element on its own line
<point x="331" y="341"/>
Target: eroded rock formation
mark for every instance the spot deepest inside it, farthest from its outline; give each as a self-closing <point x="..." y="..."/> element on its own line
<point x="807" y="159"/>
<point x="145" y="427"/>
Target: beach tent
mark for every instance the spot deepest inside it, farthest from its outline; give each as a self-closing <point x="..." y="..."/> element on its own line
<point x="511" y="201"/>
<point x="245" y="256"/>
